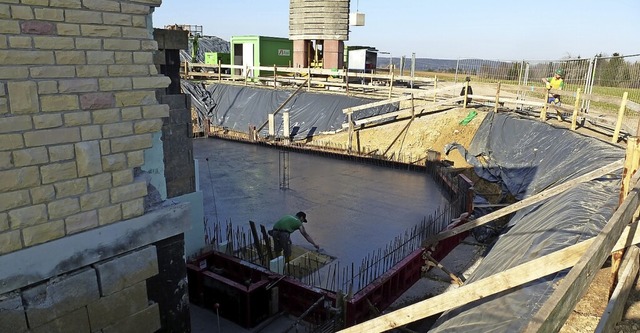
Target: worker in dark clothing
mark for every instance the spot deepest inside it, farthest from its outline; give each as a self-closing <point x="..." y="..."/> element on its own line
<point x="282" y="230"/>
<point x="464" y="91"/>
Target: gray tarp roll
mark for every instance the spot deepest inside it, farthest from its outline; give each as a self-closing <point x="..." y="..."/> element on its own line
<point x="528" y="156"/>
<point x="237" y="107"/>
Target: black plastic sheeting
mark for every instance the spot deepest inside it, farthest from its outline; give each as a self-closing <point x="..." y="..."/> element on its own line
<point x="527" y="157"/>
<point x="237" y="108"/>
<point x="205" y="44"/>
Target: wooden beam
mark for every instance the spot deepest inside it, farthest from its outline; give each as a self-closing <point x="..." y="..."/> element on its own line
<point x="282" y="105"/>
<point x="491" y="285"/>
<point x="623" y="106"/>
<point x="555" y="311"/>
<point x="615" y="307"/>
<point x="576" y="108"/>
<point x="399" y="99"/>
<point x="546" y="194"/>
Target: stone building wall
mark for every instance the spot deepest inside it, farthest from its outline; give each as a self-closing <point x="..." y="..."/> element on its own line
<point x="77" y="111"/>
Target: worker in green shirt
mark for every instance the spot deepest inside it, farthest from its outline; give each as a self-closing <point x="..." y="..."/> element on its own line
<point x="556" y="82"/>
<point x="282" y="230"/>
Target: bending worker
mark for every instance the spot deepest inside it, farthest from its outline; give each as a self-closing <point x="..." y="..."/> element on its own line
<point x="556" y="82"/>
<point x="282" y="230"/>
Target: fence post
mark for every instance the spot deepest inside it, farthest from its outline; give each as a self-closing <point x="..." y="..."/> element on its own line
<point x="576" y="106"/>
<point x="435" y="86"/>
<point x="219" y="70"/>
<point x="275" y="77"/>
<point x="623" y="106"/>
<point x="466" y="92"/>
<point x="391" y="80"/>
<point x="495" y="109"/>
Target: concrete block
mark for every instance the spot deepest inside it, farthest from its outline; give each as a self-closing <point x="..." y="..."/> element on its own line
<point x="15" y="124"/>
<point x="10" y="141"/>
<point x="147" y="320"/>
<point x="129" y="143"/>
<point x="70" y="188"/>
<point x="52" y="136"/>
<point x="42" y="194"/>
<point x="94" y="200"/>
<point x="77" y="119"/>
<point x="94" y="101"/>
<point x="51" y="103"/>
<point x="75" y="321"/>
<point x="118" y="83"/>
<point x="128" y="192"/>
<point x="70" y="57"/>
<point x="15" y="199"/>
<point x="117" y="44"/>
<point x="105" y="147"/>
<point x="21" y="12"/>
<point x="53" y="43"/>
<point x="14" y="72"/>
<point x="77" y="85"/>
<point x="43" y="233"/>
<point x="20" y="42"/>
<point x="23" y="97"/>
<point x="145" y="58"/>
<point x="179" y="117"/>
<point x="63" y="208"/>
<point x="68" y="29"/>
<point x="52" y="72"/>
<point x="135" y="32"/>
<point x="60" y="296"/>
<point x="89" y="133"/>
<point x="117" y="129"/>
<point x="82" y="221"/>
<point x="141" y="22"/>
<point x="52" y="173"/>
<point x="106" y="116"/>
<point x="124" y="58"/>
<point x="9" y="242"/>
<point x="123" y="177"/>
<point x="99" y="182"/>
<point x="131" y="8"/>
<point x="116" y="19"/>
<point x="31" y="156"/>
<point x="148" y="126"/>
<point x="111" y="309"/>
<point x="28" y="216"/>
<point x="95" y="30"/>
<point x="108" y="215"/>
<point x="12" y="317"/>
<point x="172" y="39"/>
<point x="154" y="82"/>
<point x="66" y="3"/>
<point x="82" y="16"/>
<point x="115" y="162"/>
<point x="44" y="121"/>
<point x="88" y="44"/>
<point x="132" y="113"/>
<point x="91" y="71"/>
<point x="135" y="158"/>
<point x="135" y="98"/>
<point x="127" y="270"/>
<point x="102" y="5"/>
<point x="133" y="208"/>
<point x="61" y="153"/>
<point x="16" y="179"/>
<point x="47" y="87"/>
<point x="100" y="57"/>
<point x="49" y="14"/>
<point x="155" y="111"/>
<point x="175" y="101"/>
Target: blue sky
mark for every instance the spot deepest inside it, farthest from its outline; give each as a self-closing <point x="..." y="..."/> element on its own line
<point x="445" y="29"/>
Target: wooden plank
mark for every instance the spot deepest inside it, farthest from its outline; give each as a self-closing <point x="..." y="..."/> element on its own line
<point x="623" y="106"/>
<point x="555" y="311"/>
<point x="615" y="308"/>
<point x="399" y="99"/>
<point x="491" y="285"/>
<point x="546" y="194"/>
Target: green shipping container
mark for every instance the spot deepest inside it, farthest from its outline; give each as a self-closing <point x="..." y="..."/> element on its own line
<point x="212" y="58"/>
<point x="261" y="51"/>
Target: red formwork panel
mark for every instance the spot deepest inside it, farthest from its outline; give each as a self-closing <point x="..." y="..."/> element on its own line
<point x="385" y="290"/>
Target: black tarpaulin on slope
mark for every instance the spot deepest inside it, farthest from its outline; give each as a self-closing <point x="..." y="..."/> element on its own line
<point x="238" y="108"/>
<point x="529" y="156"/>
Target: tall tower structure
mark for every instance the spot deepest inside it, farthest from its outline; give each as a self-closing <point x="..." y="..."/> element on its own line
<point x="318" y="30"/>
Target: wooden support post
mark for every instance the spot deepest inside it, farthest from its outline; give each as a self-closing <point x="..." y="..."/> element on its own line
<point x="256" y="242"/>
<point x="186" y="70"/>
<point x="275" y="77"/>
<point x="219" y="70"/>
<point x="309" y="79"/>
<point x="391" y="80"/>
<point x="346" y="80"/>
<point x="413" y="108"/>
<point x="495" y="108"/>
<point x="466" y="92"/>
<point x="627" y="173"/>
<point x="614" y="310"/>
<point x="455" y="278"/>
<point x="576" y="107"/>
<point x="267" y="241"/>
<point x="623" y="106"/>
<point x="350" y="140"/>
<point x="543" y="113"/>
<point x="435" y="87"/>
<point x="246" y="74"/>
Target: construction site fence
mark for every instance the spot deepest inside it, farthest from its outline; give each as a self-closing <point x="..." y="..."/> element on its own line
<point x="600" y="76"/>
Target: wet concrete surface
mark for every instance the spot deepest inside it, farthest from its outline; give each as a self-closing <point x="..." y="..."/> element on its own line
<point x="353" y="209"/>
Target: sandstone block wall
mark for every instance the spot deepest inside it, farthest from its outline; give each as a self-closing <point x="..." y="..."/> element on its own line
<point x="110" y="296"/>
<point x="77" y="109"/>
